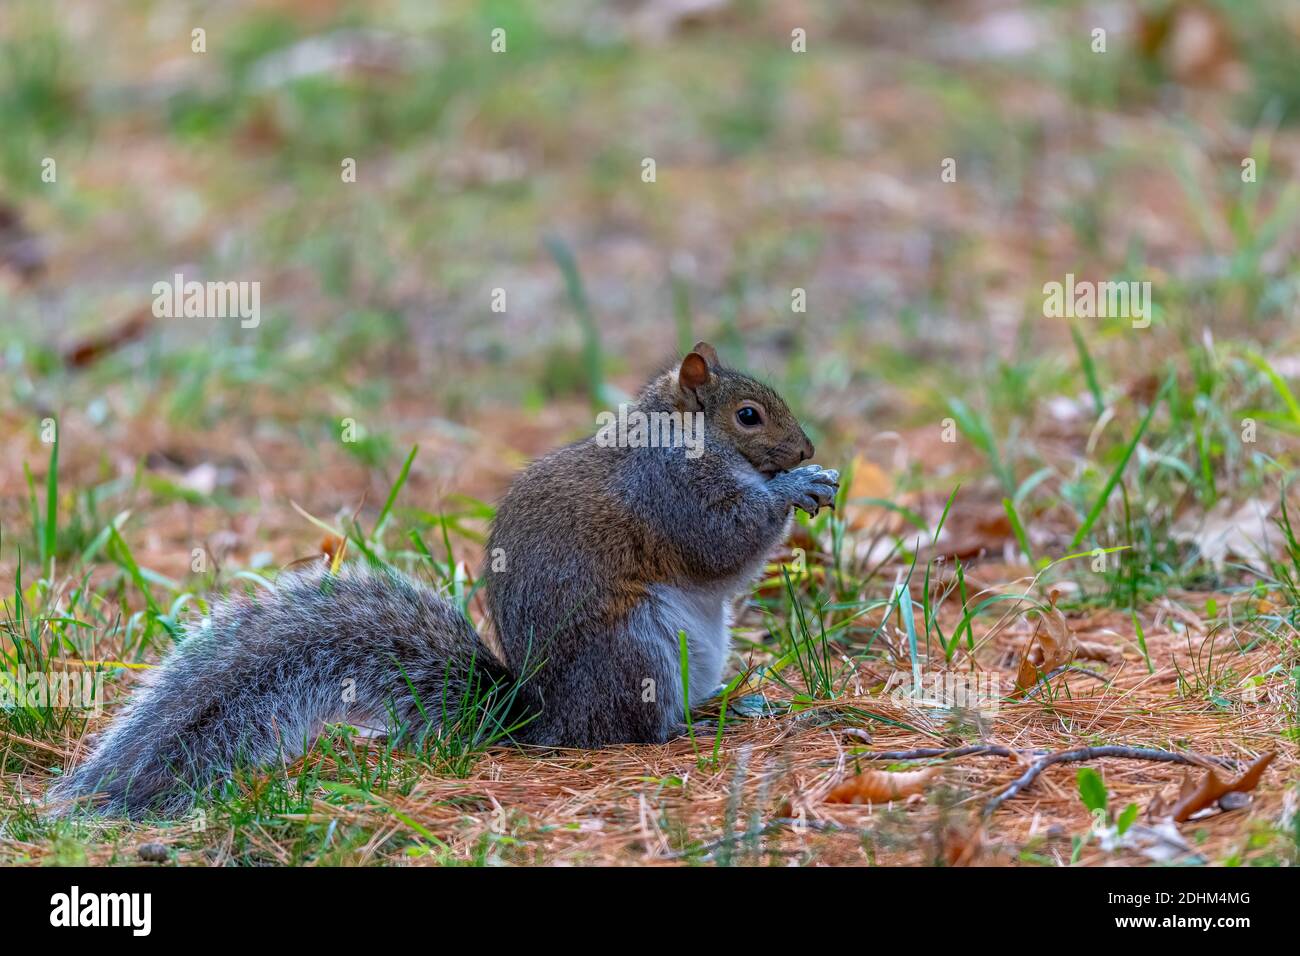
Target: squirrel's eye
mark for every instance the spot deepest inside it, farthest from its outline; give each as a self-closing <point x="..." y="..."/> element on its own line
<point x="748" y="416"/>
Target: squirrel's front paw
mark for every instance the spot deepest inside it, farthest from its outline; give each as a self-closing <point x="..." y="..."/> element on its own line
<point x="811" y="487"/>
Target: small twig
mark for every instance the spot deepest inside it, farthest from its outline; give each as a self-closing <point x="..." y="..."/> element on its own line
<point x="920" y="753"/>
<point x="941" y="753"/>
<point x="1092" y="753"/>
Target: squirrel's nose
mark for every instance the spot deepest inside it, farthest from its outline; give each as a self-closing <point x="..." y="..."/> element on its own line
<point x="808" y="450"/>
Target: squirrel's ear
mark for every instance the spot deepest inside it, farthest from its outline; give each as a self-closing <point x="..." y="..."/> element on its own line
<point x="708" y="353"/>
<point x="693" y="373"/>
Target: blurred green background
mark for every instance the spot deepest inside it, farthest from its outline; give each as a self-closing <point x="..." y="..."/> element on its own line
<point x="521" y="171"/>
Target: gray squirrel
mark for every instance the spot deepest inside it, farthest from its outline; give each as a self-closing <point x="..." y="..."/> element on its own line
<point x="610" y="551"/>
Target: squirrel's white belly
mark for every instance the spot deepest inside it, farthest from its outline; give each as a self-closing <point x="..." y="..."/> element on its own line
<point x="705" y="616"/>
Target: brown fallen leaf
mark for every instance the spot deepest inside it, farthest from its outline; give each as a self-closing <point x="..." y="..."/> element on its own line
<point x="1187" y="787"/>
<point x="1026" y="675"/>
<point x="1053" y="645"/>
<point x="1250" y="777"/>
<point x="1225" y="533"/>
<point x="1194" y="797"/>
<point x="881" y="786"/>
<point x="88" y="350"/>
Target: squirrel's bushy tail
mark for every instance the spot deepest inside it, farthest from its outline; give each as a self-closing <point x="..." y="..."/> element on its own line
<point x="258" y="682"/>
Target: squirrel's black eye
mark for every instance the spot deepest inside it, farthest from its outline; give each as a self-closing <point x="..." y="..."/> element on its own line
<point x="748" y="416"/>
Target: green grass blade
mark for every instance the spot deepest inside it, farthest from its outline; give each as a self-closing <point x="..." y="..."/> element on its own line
<point x="1089" y="368"/>
<point x="392" y="494"/>
<point x="51" y="530"/>
<point x="1142" y="642"/>
<point x="905" y="609"/>
<point x="1113" y="480"/>
<point x="1021" y="537"/>
<point x="943" y="518"/>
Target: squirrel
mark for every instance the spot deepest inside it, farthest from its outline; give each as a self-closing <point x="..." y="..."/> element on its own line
<point x="605" y="552"/>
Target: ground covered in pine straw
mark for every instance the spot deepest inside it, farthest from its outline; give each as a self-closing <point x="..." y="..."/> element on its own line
<point x="763" y="790"/>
